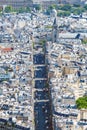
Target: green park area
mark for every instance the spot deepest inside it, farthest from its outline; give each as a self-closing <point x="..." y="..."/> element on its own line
<point x="82" y="102"/>
<point x="67" y="9"/>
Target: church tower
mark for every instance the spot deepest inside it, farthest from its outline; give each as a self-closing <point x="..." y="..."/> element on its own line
<point x="55" y="33"/>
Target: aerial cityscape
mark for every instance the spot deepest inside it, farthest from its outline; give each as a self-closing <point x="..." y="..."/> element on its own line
<point x="43" y="64"/>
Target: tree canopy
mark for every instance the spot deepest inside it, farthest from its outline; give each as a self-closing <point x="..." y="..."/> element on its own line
<point x="82" y="102"/>
<point x="67" y="9"/>
<point x="38" y="7"/>
<point x="8" y="9"/>
<point x="24" y="9"/>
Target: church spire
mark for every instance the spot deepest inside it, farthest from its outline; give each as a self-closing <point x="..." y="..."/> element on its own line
<point x="55" y="28"/>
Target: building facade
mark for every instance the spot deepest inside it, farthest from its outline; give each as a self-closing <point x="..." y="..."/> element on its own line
<point x="16" y="3"/>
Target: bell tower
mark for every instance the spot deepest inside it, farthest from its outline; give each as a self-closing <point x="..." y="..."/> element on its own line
<point x="55" y="33"/>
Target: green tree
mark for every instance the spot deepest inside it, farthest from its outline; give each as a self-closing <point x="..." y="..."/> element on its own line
<point x="64" y="13"/>
<point x="1" y="9"/>
<point x="8" y="9"/>
<point x="66" y="7"/>
<point x="38" y="7"/>
<point x="78" y="10"/>
<point x="28" y="9"/>
<point x="76" y="5"/>
<point x="82" y="102"/>
<point x="22" y="10"/>
<point x="52" y="7"/>
<point x="42" y="42"/>
<point x="85" y="7"/>
<point x="84" y="41"/>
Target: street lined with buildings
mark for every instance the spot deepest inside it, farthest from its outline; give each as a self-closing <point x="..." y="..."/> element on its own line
<point x="42" y="106"/>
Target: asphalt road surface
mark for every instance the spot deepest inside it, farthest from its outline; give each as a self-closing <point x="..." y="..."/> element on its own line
<point x="42" y="107"/>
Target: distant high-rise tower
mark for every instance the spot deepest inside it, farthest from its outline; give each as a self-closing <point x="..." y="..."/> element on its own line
<point x="55" y="32"/>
